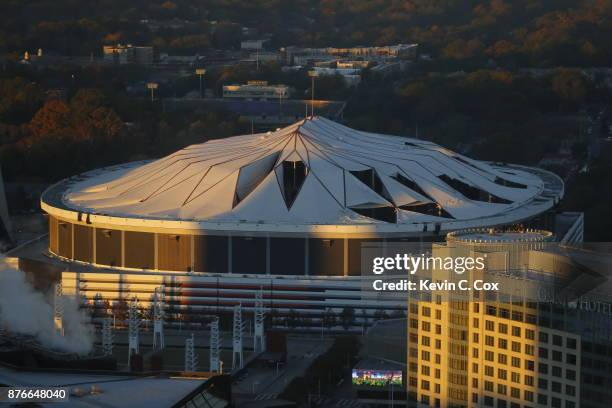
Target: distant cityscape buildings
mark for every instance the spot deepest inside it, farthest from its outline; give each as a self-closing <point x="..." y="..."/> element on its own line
<point x="256" y="90"/>
<point x="122" y="54"/>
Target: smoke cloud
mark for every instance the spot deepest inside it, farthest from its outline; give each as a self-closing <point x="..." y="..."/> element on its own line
<point x="27" y="311"/>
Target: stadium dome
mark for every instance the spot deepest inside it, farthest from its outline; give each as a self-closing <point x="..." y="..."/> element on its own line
<point x="313" y="178"/>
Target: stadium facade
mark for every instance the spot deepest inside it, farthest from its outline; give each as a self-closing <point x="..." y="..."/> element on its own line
<point x="284" y="212"/>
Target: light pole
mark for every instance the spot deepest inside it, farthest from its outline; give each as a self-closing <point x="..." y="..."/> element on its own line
<point x="312" y="74"/>
<point x="200" y="72"/>
<point x="280" y="92"/>
<point x="152" y="86"/>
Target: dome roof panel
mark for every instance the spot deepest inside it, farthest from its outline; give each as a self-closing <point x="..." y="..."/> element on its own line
<point x="247" y="179"/>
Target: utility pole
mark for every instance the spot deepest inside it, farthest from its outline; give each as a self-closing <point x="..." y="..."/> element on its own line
<point x="312" y="74"/>
<point x="191" y="359"/>
<point x="238" y="326"/>
<point x="107" y="337"/>
<point x="259" y="340"/>
<point x="158" y="318"/>
<point x="200" y="72"/>
<point x="215" y="347"/>
<point x="152" y="86"/>
<point x="133" y="329"/>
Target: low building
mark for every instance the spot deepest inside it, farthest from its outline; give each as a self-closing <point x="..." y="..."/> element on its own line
<point x="128" y="54"/>
<point x="296" y="55"/>
<point x="351" y="76"/>
<point x="253" y="44"/>
<point x="256" y="90"/>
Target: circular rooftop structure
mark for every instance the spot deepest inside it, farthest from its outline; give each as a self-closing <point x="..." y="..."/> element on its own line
<point x="315" y="175"/>
<point x="313" y="179"/>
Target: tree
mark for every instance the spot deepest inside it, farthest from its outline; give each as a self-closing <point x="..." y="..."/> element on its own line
<point x="570" y="85"/>
<point x="329" y="318"/>
<point x="347" y="317"/>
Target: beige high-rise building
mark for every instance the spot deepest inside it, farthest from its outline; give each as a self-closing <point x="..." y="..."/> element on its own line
<point x="486" y="349"/>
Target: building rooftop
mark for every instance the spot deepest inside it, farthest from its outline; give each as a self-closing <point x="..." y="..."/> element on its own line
<point x="115" y="390"/>
<point x="313" y="174"/>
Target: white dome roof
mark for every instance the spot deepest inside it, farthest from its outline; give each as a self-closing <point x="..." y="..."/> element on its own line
<point x="314" y="172"/>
